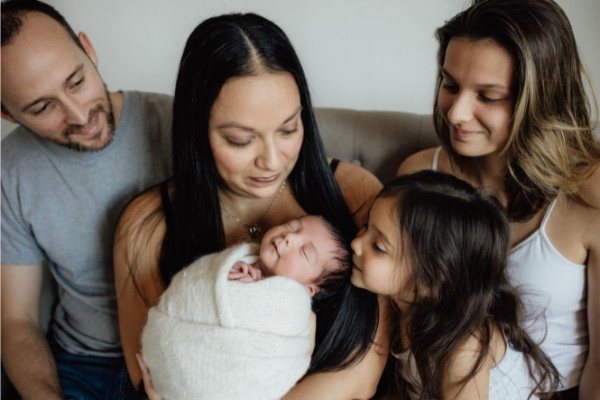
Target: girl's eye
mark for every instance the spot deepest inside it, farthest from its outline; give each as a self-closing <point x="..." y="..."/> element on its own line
<point x="378" y="249"/>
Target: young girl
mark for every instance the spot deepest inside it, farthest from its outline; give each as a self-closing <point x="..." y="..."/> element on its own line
<point x="438" y="248"/>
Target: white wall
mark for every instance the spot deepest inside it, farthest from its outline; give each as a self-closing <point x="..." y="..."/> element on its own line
<point x="377" y="54"/>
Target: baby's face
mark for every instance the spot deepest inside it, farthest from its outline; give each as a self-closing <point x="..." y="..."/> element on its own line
<point x="299" y="250"/>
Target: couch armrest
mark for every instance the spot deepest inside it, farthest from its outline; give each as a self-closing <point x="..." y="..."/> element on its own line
<point x="377" y="140"/>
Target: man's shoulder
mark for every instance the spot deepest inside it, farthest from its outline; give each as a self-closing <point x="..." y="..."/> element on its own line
<point x="19" y="145"/>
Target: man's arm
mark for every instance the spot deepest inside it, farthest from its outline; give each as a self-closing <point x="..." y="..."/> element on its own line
<point x="26" y="356"/>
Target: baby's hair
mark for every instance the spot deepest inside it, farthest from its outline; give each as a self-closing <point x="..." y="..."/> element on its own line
<point x="456" y="241"/>
<point x="336" y="274"/>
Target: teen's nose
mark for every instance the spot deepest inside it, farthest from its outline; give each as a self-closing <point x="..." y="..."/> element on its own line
<point x="461" y="109"/>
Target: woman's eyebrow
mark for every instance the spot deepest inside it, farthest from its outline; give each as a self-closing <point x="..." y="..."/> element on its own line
<point x="236" y="125"/>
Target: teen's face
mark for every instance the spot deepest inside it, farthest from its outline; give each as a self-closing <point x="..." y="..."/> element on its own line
<point x="475" y="95"/>
<point x="300" y="249"/>
<point x="255" y="132"/>
<point x="53" y="88"/>
<point x="378" y="265"/>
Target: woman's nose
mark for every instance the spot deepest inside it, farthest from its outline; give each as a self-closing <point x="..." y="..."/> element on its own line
<point x="268" y="159"/>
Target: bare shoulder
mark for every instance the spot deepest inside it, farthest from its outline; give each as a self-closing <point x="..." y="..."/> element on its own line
<point x="359" y="188"/>
<point x="417" y="162"/>
<point x="590" y="190"/>
<point x="462" y="362"/>
<point x="139" y="233"/>
<point x="143" y="208"/>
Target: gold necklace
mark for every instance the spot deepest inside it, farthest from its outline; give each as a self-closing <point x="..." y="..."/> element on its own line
<point x="254" y="229"/>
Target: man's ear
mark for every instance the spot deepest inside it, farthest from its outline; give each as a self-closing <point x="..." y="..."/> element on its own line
<point x="87" y="46"/>
<point x="312" y="289"/>
<point x="6" y="115"/>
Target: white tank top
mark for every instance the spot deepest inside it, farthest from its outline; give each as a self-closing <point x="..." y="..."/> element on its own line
<point x="554" y="287"/>
<point x="509" y="379"/>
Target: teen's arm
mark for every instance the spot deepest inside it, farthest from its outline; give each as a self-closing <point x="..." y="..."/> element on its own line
<point x="588" y="386"/>
<point x="26" y="356"/>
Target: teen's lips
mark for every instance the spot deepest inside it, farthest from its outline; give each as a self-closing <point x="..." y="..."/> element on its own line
<point x="463" y="134"/>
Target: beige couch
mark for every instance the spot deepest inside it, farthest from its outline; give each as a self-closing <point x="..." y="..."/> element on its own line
<point x="376" y="140"/>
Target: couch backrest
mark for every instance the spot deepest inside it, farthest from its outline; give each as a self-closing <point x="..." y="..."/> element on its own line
<point x="377" y="140"/>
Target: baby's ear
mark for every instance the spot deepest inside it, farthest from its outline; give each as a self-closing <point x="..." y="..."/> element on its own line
<point x="312" y="289"/>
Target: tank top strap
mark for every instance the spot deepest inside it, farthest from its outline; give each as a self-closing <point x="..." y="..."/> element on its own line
<point x="547" y="215"/>
<point x="436" y="156"/>
<point x="334" y="164"/>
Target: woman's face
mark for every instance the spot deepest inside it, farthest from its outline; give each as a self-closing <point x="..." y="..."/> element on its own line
<point x="379" y="266"/>
<point x="475" y="96"/>
<point x="255" y="132"/>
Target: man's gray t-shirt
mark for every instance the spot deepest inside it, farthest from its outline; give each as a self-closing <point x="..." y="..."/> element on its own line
<point x="62" y="205"/>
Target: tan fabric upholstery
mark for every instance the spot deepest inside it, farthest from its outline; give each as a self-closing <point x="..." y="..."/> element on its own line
<point x="376" y="140"/>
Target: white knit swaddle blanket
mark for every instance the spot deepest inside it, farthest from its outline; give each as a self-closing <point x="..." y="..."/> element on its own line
<point x="211" y="338"/>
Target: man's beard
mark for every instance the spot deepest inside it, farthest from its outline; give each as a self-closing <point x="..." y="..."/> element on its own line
<point x="110" y="120"/>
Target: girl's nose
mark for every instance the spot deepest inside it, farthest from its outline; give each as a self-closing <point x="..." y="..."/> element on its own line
<point x="355" y="245"/>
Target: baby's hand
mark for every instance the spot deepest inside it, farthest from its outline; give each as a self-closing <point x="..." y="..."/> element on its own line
<point x="244" y="272"/>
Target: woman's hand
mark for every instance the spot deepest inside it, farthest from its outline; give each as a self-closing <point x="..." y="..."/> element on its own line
<point x="147" y="379"/>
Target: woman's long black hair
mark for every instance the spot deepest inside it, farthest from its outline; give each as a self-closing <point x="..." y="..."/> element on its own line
<point x="235" y="45"/>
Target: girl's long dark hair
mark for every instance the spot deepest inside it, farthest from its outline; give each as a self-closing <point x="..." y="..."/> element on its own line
<point x="456" y="241"/>
<point x="235" y="45"/>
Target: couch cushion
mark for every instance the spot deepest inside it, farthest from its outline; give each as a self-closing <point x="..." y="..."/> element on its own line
<point x="377" y="140"/>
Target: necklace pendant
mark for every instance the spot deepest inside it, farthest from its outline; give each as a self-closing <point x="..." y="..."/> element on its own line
<point x="254" y="231"/>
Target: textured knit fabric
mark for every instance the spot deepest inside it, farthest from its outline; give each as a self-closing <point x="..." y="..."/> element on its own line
<point x="212" y="338"/>
<point x="63" y="205"/>
<point x="509" y="379"/>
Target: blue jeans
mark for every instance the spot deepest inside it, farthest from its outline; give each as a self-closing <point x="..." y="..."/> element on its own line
<point x="87" y="377"/>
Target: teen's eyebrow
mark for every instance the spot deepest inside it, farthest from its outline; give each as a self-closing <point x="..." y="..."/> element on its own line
<point x="38" y="100"/>
<point x="485" y="85"/>
<point x="236" y="125"/>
